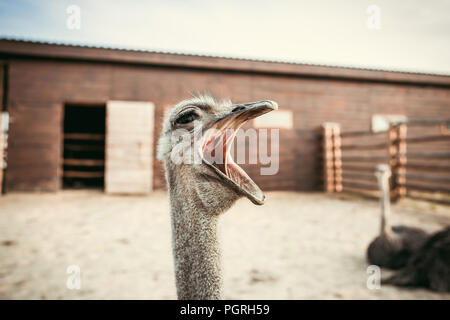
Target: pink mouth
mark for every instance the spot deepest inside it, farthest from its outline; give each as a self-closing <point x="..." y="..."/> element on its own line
<point x="219" y="138"/>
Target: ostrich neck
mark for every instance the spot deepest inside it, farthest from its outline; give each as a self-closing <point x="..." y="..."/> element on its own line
<point x="195" y="247"/>
<point x="385" y="205"/>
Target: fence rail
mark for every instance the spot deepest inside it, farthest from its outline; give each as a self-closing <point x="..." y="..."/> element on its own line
<point x="425" y="169"/>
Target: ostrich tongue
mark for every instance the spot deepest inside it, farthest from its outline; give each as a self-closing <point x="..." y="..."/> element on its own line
<point x="217" y="142"/>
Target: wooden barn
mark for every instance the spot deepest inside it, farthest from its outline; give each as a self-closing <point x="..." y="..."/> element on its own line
<point x="77" y="116"/>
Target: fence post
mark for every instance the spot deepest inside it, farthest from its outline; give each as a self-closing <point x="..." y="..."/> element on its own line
<point x="337" y="155"/>
<point x="327" y="153"/>
<point x="332" y="163"/>
<point x="397" y="159"/>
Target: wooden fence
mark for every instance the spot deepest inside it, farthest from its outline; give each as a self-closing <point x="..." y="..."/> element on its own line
<point x="418" y="153"/>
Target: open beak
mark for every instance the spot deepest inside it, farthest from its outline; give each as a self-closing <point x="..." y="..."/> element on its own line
<point x="217" y="141"/>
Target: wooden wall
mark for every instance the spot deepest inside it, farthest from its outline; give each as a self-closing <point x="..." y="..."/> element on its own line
<point x="38" y="90"/>
<point x="2" y="142"/>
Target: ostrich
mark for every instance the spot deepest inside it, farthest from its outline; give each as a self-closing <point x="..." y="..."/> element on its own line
<point x="200" y="191"/>
<point x="394" y="246"/>
<point x="429" y="267"/>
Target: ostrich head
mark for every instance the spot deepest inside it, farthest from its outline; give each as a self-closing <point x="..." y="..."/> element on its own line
<point x="383" y="172"/>
<point x="203" y="129"/>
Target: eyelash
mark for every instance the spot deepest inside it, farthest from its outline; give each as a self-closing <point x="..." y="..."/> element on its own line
<point x="186" y="118"/>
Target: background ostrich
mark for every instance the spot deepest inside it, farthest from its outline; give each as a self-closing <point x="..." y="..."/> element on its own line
<point x="429" y="266"/>
<point x="394" y="246"/>
<point x="200" y="192"/>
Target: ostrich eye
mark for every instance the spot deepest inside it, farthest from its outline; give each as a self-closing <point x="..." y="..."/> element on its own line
<point x="186" y="118"/>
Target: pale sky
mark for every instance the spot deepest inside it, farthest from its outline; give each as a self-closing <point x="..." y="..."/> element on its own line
<point x="414" y="35"/>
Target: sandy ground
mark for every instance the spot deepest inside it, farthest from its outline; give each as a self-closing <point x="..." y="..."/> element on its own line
<point x="296" y="246"/>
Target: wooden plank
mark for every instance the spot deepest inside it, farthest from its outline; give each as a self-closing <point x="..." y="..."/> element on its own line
<point x="360" y="133"/>
<point x="83" y="147"/>
<point x="425" y="122"/>
<point x="428" y="155"/>
<point x="129" y="147"/>
<point x="357" y="168"/>
<point x="427" y="138"/>
<point x="359" y="159"/>
<point x="364" y="146"/>
<point x="83" y="162"/>
<point x="83" y="174"/>
<point x="428" y="167"/>
<point x="427" y="177"/>
<point x="358" y="176"/>
<point x="84" y="136"/>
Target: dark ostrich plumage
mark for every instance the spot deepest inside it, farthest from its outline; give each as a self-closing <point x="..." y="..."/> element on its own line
<point x="429" y="266"/>
<point x="393" y="250"/>
<point x="393" y="247"/>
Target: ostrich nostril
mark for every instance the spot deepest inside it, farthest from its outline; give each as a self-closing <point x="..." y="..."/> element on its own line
<point x="237" y="109"/>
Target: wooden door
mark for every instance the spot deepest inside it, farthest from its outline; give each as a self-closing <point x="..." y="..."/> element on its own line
<point x="129" y="147"/>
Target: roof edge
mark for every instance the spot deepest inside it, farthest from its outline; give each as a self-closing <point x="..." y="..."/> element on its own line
<point x="24" y="48"/>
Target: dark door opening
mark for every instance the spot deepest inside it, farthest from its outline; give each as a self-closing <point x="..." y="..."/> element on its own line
<point x="84" y="146"/>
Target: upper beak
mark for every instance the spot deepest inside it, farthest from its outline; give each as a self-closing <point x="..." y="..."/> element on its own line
<point x="244" y="112"/>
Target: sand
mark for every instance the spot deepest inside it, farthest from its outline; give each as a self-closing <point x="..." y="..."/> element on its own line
<point x="296" y="246"/>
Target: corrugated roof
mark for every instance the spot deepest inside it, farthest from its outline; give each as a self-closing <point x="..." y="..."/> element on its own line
<point x="110" y="47"/>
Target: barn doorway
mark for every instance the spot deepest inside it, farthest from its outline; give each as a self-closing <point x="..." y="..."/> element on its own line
<point x="84" y="146"/>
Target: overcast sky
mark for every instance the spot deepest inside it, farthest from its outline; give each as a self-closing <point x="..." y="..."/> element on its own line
<point x="414" y="35"/>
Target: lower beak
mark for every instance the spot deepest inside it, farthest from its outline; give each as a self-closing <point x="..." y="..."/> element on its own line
<point x="221" y="139"/>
